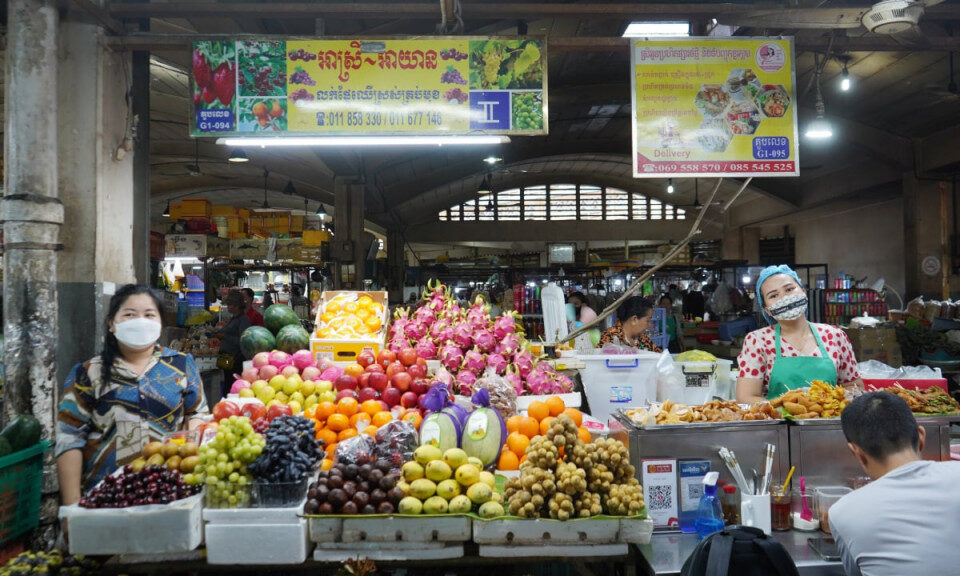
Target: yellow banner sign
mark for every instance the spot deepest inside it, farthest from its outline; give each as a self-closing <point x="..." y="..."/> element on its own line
<point x="449" y="85"/>
<point x="714" y="107"/>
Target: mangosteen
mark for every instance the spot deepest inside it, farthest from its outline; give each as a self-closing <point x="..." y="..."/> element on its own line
<point x="335" y="482"/>
<point x="387" y="483"/>
<point x="377" y="496"/>
<point x="350" y="487"/>
<point x="385" y="508"/>
<point x="325" y="508"/>
<point x="376" y="476"/>
<point x="368" y="509"/>
<point x="364" y="486"/>
<point x="383" y="465"/>
<point x="349" y="508"/>
<point x="323" y="481"/>
<point x="364" y="471"/>
<point x="395" y="495"/>
<point x="351" y="471"/>
<point x="338" y="497"/>
<point x="361" y="499"/>
<point x="312" y="507"/>
<point x="312" y="493"/>
<point x="323" y="493"/>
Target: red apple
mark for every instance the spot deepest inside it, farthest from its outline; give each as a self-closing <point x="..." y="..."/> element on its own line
<point x="225" y="409"/>
<point x="363" y="381"/>
<point x="401" y="381"/>
<point x="278" y="410"/>
<point x="367" y="394"/>
<point x="391" y="396"/>
<point x="346" y="393"/>
<point x="383" y="406"/>
<point x="254" y="411"/>
<point x="366" y="358"/>
<point x="419" y="386"/>
<point x="409" y="400"/>
<point x="417" y="371"/>
<point x="374" y="368"/>
<point x="378" y="381"/>
<point x="394" y="369"/>
<point x="407" y="356"/>
<point x="386" y="357"/>
<point x="422" y="362"/>
<point x="345" y="382"/>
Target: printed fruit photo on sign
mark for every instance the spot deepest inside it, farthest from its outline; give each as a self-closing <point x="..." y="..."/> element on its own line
<point x="506" y="65"/>
<point x="263" y="115"/>
<point x="214" y="74"/>
<point x="527" y="108"/>
<point x="263" y="68"/>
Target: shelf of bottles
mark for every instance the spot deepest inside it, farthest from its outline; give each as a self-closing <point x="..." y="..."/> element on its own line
<point x="840" y="305"/>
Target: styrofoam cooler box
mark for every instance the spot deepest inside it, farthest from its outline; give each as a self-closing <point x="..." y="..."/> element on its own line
<point x="614" y="381"/>
<point x="154" y="529"/>
<point x="390" y="530"/>
<point x="700" y="382"/>
<point x="257" y="543"/>
<point x="571" y="400"/>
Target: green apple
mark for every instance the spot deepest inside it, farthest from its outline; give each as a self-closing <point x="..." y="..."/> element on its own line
<point x="246" y="393"/>
<point x="277" y="382"/>
<point x="266" y="395"/>
<point x="297" y="397"/>
<point x="328" y="396"/>
<point x="310" y="401"/>
<point x="325" y="386"/>
<point x="307" y="388"/>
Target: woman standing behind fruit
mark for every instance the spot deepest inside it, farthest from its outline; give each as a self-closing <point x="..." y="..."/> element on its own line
<point x="133" y="393"/>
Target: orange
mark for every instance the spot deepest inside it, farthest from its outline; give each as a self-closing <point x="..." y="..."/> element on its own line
<point x="363" y="313"/>
<point x="545" y="425"/>
<point x="584" y="435"/>
<point x="338" y="422"/>
<point x="370" y="407"/>
<point x="372" y="323"/>
<point x="346" y="433"/>
<point x="332" y="307"/>
<point x="529" y="427"/>
<point x="574" y="415"/>
<point x="354" y="370"/>
<point x="331" y="450"/>
<point x="347" y="406"/>
<point x="555" y="405"/>
<point x="523" y="459"/>
<point x="310" y="412"/>
<point x="326" y="317"/>
<point x="518" y="443"/>
<point x="381" y="418"/>
<point x="325" y="410"/>
<point x="513" y="423"/>
<point x="326" y="437"/>
<point x="364" y="301"/>
<point x="414" y="419"/>
<point x="370" y="431"/>
<point x="326" y="464"/>
<point x="508" y="461"/>
<point x="538" y="410"/>
<point x="351" y="307"/>
<point x="360" y="420"/>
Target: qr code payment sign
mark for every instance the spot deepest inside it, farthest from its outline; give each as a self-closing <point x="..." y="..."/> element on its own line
<point x="659" y="497"/>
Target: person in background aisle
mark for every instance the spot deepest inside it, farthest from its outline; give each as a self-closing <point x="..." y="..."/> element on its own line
<point x="674" y="324"/>
<point x="907" y="520"/>
<point x="585" y="313"/>
<point x="133" y="393"/>
<point x="674" y="293"/>
<point x="267" y="298"/>
<point x="633" y="324"/>
<point x="771" y="365"/>
<point x="694" y="304"/>
<point x="299" y="303"/>
<point x="256" y="318"/>
<point x="230" y="334"/>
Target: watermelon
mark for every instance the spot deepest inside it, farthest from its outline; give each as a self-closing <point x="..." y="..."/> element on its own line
<point x="23" y="432"/>
<point x="256" y="339"/>
<point x="5" y="447"/>
<point x="279" y="315"/>
<point x="292" y="338"/>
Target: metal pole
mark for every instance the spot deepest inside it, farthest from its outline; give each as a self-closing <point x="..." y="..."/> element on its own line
<point x="31" y="215"/>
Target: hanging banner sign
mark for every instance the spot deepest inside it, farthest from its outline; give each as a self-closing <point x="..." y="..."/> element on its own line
<point x="434" y="85"/>
<point x="714" y="107"/>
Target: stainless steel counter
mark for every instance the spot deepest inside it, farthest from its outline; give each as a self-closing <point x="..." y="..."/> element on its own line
<point x="667" y="552"/>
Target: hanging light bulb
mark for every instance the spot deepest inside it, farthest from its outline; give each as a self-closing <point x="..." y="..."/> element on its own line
<point x="166" y="211"/>
<point x="845" y="82"/>
<point x="670" y="186"/>
<point x="238" y="155"/>
<point x="484" y="186"/>
<point x="820" y="128"/>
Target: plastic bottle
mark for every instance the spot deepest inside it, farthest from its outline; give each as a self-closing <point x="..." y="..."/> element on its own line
<point x="730" y="503"/>
<point x="709" y="514"/>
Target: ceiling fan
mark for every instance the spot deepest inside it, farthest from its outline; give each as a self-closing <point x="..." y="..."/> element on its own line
<point x="194" y="169"/>
<point x="696" y="199"/>
<point x="898" y="18"/>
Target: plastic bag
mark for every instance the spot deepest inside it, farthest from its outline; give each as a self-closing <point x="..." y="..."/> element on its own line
<point x="503" y="397"/>
<point x="915" y="308"/>
<point x="356" y="450"/>
<point x="719" y="302"/>
<point x="395" y="441"/>
<point x="670" y="380"/>
<point x="617" y="349"/>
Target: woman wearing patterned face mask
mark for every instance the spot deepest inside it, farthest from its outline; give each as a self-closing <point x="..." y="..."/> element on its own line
<point x="133" y="393"/>
<point x="793" y="352"/>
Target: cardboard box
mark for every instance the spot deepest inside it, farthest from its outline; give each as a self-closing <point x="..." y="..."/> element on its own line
<point x="249" y="249"/>
<point x="347" y="350"/>
<point x="194" y="207"/>
<point x="225" y="211"/>
<point x="315" y="237"/>
<point x="659" y="479"/>
<point x="289" y="248"/>
<point x="876" y="344"/>
<point x="195" y="246"/>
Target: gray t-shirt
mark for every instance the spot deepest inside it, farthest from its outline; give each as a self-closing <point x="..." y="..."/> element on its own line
<point x="906" y="522"/>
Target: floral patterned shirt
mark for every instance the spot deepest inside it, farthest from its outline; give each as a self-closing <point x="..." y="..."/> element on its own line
<point x="614" y="334"/>
<point x="760" y="350"/>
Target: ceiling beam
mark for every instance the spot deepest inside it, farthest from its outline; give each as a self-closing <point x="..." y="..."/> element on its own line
<point x="553" y="231"/>
<point x="940" y="149"/>
<point x="101" y="16"/>
<point x="880" y="144"/>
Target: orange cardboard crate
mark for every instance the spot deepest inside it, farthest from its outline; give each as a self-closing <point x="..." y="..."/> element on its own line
<point x="347" y="350"/>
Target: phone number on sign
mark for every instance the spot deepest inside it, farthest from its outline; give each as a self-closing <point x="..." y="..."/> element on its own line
<point x="704" y="167"/>
<point x="389" y="119"/>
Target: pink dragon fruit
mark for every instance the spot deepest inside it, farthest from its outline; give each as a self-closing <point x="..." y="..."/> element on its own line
<point x="524" y="361"/>
<point x="465" y="381"/>
<point x="451" y="356"/>
<point x="509" y="344"/>
<point x="426" y="315"/>
<point x="438" y="328"/>
<point x="436" y="293"/>
<point x="463" y="336"/>
<point x="485" y="341"/>
<point x="473" y="360"/>
<point x="564" y="384"/>
<point x="400" y="321"/>
<point x="505" y="324"/>
<point x="497" y="362"/>
<point x="442" y="377"/>
<point x="513" y="377"/>
<point x="426" y="349"/>
<point x="539" y="382"/>
<point x="397" y="344"/>
<point x="415" y="330"/>
<point x="478" y="315"/>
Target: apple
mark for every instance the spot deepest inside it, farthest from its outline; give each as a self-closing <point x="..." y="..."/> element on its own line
<point x="268" y="372"/>
<point x="225" y="409"/>
<point x="401" y="381"/>
<point x="363" y="381"/>
<point x="417" y="371"/>
<point x="378" y="382"/>
<point x="289" y="371"/>
<point x="383" y="406"/>
<point x="367" y="394"/>
<point x="345" y="382"/>
<point x="310" y="373"/>
<point x="374" y="368"/>
<point x="254" y="411"/>
<point x="366" y="358"/>
<point x="308" y="387"/>
<point x="346" y="393"/>
<point x="386" y="357"/>
<point x="394" y="369"/>
<point x="391" y="396"/>
<point x="407" y="356"/>
<point x="324" y="386"/>
<point x="278" y="410"/>
<point x="419" y="386"/>
<point x="250" y="374"/>
<point x="409" y="400"/>
<point x="328" y="396"/>
<point x="238" y="386"/>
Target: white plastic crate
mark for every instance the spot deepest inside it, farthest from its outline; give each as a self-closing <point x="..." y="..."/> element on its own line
<point x="154" y="529"/>
<point x="613" y="381"/>
<point x="257" y="543"/>
<point x="391" y="529"/>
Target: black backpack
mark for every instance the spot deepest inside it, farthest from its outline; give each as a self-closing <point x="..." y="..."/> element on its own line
<point x="739" y="550"/>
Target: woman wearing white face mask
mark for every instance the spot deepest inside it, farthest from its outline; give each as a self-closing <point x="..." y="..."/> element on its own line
<point x="794" y="352"/>
<point x="133" y="393"/>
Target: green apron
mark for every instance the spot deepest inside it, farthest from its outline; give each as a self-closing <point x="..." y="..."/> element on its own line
<point x="792" y="372"/>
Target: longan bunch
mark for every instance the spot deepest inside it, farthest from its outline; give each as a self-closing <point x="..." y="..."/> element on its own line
<point x="613" y="455"/>
<point x="571" y="480"/>
<point x="600" y="479"/>
<point x="563" y="432"/>
<point x="541" y="453"/>
<point x="584" y="456"/>
<point x="624" y="499"/>
<point x="527" y="495"/>
<point x="588" y="504"/>
<point x="561" y="506"/>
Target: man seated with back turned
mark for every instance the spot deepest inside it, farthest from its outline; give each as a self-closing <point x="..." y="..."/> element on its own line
<point x="907" y="521"/>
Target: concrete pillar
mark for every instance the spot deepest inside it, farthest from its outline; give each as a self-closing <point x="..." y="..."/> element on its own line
<point x="396" y="264"/>
<point x="141" y="167"/>
<point x="348" y="246"/>
<point x="96" y="189"/>
<point x="32" y="215"/>
<point x="921" y="234"/>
